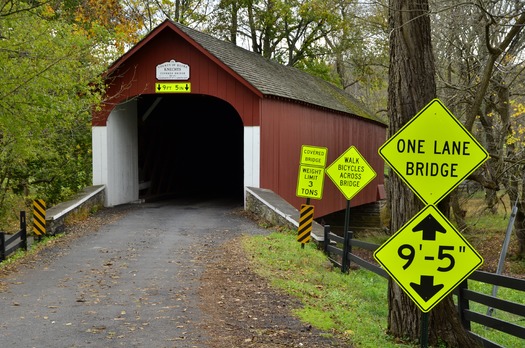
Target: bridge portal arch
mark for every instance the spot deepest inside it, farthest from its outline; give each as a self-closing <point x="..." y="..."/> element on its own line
<point x="178" y="145"/>
<point x="189" y="145"/>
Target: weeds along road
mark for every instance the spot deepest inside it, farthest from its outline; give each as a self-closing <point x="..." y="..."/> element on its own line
<point x="130" y="283"/>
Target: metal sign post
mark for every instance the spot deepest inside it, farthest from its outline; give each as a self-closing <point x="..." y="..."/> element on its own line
<point x="504" y="249"/>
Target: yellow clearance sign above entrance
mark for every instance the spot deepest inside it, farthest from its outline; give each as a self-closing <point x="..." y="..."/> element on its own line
<point x="433" y="153"/>
<point x="173" y="87"/>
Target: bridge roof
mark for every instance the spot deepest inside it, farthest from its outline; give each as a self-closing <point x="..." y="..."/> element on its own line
<point x="265" y="76"/>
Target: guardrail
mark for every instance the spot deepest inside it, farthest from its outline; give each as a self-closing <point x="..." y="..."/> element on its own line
<point x="90" y="198"/>
<point x="16" y="241"/>
<point x="465" y="296"/>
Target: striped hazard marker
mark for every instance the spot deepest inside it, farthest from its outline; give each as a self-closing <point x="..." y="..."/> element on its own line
<point x="306" y="219"/>
<point x="39" y="217"/>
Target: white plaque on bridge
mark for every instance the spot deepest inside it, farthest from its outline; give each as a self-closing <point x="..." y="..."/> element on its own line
<point x="173" y="70"/>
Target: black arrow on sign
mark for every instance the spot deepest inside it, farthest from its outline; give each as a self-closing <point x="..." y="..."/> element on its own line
<point x="159" y="88"/>
<point x="429" y="226"/>
<point x="187" y="87"/>
<point x="426" y="289"/>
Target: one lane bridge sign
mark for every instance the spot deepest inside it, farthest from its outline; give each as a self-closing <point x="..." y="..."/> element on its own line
<point x="433" y="153"/>
<point x="428" y="258"/>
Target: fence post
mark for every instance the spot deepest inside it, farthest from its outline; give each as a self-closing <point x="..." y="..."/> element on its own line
<point x="326" y="238"/>
<point x="349" y="248"/>
<point x="2" y="246"/>
<point x="463" y="304"/>
<point x="23" y="229"/>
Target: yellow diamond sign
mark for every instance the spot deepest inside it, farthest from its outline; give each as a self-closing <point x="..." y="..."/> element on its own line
<point x="433" y="153"/>
<point x="350" y="172"/>
<point x="428" y="258"/>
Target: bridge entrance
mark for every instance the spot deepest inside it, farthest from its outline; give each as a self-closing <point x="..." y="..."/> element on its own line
<point x="189" y="146"/>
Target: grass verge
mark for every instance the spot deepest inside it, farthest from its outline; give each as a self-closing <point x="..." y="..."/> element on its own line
<point x="353" y="306"/>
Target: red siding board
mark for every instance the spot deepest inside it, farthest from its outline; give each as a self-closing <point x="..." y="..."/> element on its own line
<point x="286" y="126"/>
<point x="213" y="81"/>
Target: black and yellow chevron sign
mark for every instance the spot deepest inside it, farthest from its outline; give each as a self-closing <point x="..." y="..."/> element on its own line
<point x="306" y="219"/>
<point x="39" y="217"/>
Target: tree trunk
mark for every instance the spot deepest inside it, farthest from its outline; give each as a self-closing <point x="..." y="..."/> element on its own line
<point x="458" y="212"/>
<point x="519" y="228"/>
<point x="411" y="87"/>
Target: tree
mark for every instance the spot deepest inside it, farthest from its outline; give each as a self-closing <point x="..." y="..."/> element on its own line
<point x="150" y="13"/>
<point x="286" y="31"/>
<point x="341" y="41"/>
<point x="411" y="87"/>
<point x="357" y="50"/>
<point x="478" y="48"/>
<point x="106" y="21"/>
<point x="48" y="86"/>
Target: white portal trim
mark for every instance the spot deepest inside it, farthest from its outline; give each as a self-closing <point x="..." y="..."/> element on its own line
<point x="115" y="155"/>
<point x="99" y="136"/>
<point x="252" y="158"/>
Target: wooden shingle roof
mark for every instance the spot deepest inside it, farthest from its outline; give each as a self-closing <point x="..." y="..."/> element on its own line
<point x="274" y="79"/>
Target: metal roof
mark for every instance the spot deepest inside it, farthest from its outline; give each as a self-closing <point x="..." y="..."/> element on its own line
<point x="274" y="79"/>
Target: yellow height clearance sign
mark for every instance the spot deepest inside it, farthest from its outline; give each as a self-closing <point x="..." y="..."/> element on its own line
<point x="173" y="87"/>
<point x="428" y="257"/>
<point x="310" y="179"/>
<point x="433" y="153"/>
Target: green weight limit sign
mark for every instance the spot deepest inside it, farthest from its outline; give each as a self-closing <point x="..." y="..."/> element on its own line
<point x="39" y="217"/>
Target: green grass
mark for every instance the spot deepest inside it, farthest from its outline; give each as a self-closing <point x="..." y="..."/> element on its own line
<point x="478" y="217"/>
<point x="488" y="222"/>
<point x="353" y="306"/>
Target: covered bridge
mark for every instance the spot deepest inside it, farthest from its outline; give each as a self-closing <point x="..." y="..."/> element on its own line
<point x="187" y="114"/>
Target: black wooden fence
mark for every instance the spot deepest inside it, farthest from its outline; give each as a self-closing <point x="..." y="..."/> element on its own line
<point x="335" y="248"/>
<point x="10" y="244"/>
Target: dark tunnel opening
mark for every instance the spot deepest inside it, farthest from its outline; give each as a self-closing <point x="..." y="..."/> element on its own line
<point x="190" y="146"/>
